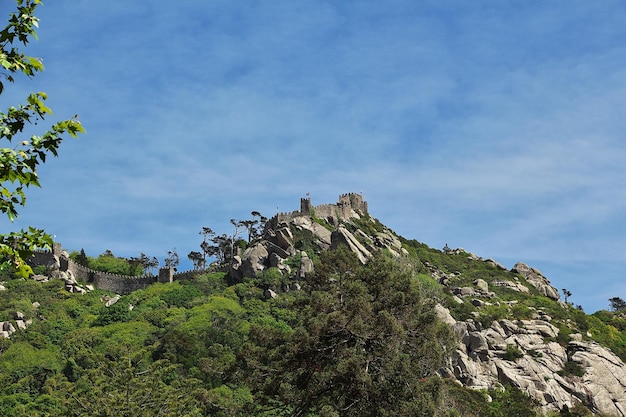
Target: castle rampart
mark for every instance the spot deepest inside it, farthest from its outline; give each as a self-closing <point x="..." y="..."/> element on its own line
<point x="121" y="284"/>
<point x="348" y="205"/>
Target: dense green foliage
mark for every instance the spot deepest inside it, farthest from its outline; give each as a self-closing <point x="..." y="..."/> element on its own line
<point x="358" y="340"/>
<point x="364" y="340"/>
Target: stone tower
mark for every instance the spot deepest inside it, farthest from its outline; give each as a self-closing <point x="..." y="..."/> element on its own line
<point x="305" y="205"/>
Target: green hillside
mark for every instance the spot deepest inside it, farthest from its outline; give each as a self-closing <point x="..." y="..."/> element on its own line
<point x="355" y="340"/>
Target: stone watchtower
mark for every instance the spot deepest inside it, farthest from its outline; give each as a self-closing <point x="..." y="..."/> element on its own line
<point x="305" y="205"/>
<point x="353" y="201"/>
<point x="57" y="248"/>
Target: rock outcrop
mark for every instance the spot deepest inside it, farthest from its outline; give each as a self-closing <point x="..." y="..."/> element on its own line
<point x="306" y="266"/>
<point x="254" y="260"/>
<point x="536" y="279"/>
<point x="524" y="354"/>
<point x="7" y="328"/>
<point x="342" y="236"/>
<point x="326" y="224"/>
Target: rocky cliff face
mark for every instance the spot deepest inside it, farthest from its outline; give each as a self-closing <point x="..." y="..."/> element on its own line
<point x="525" y="354"/>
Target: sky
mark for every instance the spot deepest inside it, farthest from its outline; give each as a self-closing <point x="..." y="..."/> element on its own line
<point x="495" y="126"/>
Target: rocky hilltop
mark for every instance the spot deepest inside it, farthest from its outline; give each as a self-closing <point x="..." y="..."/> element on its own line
<point x="512" y="327"/>
<point x="289" y="235"/>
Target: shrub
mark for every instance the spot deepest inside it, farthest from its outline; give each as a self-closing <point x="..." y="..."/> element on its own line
<point x="118" y="312"/>
<point x="271" y="278"/>
<point x="512" y="352"/>
<point x="491" y="313"/>
<point x="512" y="402"/>
<point x="521" y="312"/>
<point x="181" y="296"/>
<point x="41" y="270"/>
<point x="572" y="368"/>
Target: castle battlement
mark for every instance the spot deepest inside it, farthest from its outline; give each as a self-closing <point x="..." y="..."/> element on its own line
<point x="348" y="206"/>
<point x="121" y="284"/>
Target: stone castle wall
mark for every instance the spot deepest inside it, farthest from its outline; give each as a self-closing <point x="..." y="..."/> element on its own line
<point x="329" y="212"/>
<point x="344" y="209"/>
<point x="120" y="284"/>
<point x="41" y="258"/>
<point x="354" y="201"/>
<point x="124" y="284"/>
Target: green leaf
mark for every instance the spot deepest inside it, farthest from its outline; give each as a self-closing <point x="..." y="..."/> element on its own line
<point x="24" y="271"/>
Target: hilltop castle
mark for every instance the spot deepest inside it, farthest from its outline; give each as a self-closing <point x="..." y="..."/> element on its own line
<point x="349" y="205"/>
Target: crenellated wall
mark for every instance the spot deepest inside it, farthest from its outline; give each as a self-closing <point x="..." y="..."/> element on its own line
<point x="121" y="284"/>
<point x="354" y="201"/>
<point x="346" y="207"/>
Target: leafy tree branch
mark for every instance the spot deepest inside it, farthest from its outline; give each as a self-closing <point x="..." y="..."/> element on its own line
<point x="21" y="156"/>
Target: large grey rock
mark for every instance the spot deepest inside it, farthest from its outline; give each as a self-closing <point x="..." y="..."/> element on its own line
<point x="282" y="236"/>
<point x="387" y="240"/>
<point x="112" y="301"/>
<point x="444" y="315"/>
<point x="464" y="291"/>
<point x="536" y="279"/>
<point x="477" y="343"/>
<point x="343" y="236"/>
<point x="283" y="253"/>
<point x="254" y="260"/>
<point x="605" y="376"/>
<point x="495" y="264"/>
<point x="322" y="234"/>
<point x="275" y="260"/>
<point x="57" y="274"/>
<point x="40" y="278"/>
<point x="7" y="326"/>
<point x="278" y="262"/>
<point x="515" y="286"/>
<point x="235" y="264"/>
<point x="482" y="285"/>
<point x="306" y="265"/>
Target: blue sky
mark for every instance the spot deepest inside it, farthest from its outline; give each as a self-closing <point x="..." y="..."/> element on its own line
<point x="493" y="126"/>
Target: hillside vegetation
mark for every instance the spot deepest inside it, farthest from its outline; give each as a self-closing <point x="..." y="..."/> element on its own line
<point x="352" y="339"/>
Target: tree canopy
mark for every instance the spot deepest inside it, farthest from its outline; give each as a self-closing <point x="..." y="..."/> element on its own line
<point x="366" y="340"/>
